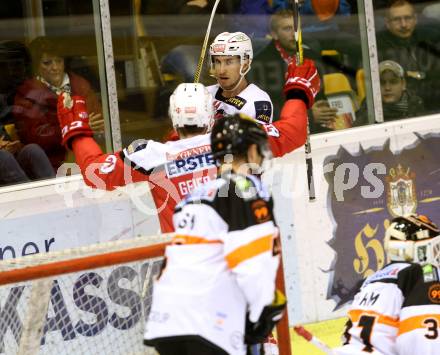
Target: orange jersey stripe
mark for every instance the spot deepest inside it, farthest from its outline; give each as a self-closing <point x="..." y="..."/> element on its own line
<point x="355" y="314"/>
<point x="249" y="250"/>
<point x="417" y="322"/>
<point x="189" y="239"/>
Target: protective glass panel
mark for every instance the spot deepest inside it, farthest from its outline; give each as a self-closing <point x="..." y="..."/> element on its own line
<point x="46" y="47"/>
<point x="408" y="37"/>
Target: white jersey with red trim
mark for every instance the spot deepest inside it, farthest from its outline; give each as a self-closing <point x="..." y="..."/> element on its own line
<point x="221" y="265"/>
<point x="419" y="328"/>
<point x="252" y="101"/>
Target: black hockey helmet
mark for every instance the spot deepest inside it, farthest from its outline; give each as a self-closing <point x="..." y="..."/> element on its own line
<point x="234" y="134"/>
<point x="413" y="238"/>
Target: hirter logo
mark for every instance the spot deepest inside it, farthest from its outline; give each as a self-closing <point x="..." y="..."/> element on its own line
<point x="191" y="109"/>
<point x="218" y="48"/>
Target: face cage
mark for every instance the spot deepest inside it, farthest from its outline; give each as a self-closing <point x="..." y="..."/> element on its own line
<point x="421" y="252"/>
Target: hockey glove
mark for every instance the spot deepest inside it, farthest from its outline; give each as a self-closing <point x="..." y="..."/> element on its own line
<point x="73" y="118"/>
<point x="257" y="332"/>
<point x="302" y="82"/>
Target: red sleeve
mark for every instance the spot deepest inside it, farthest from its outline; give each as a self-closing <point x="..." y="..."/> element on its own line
<point x="103" y="171"/>
<point x="290" y="130"/>
<point x="82" y="87"/>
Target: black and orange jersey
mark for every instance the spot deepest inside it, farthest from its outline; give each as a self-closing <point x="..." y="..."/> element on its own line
<point x="419" y="325"/>
<point x="391" y="311"/>
<point x="220" y="265"/>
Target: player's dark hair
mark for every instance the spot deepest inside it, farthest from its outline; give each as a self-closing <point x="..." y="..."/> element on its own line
<point x="234" y="135"/>
<point x="189" y="130"/>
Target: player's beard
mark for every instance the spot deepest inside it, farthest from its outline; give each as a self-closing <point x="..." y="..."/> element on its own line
<point x="233" y="86"/>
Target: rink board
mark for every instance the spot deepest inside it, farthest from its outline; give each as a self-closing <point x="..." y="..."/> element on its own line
<point x="328" y="244"/>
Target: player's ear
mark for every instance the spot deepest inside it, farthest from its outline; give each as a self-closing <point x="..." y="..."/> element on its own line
<point x="246" y="65"/>
<point x="253" y="154"/>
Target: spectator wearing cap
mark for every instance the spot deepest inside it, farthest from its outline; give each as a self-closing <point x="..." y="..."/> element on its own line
<point x="397" y="101"/>
<point x="415" y="48"/>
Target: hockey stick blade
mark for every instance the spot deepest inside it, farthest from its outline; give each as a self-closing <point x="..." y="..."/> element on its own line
<point x="205" y="44"/>
<point x="302" y="332"/>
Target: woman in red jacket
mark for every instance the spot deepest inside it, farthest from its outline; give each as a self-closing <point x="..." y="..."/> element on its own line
<point x="35" y="104"/>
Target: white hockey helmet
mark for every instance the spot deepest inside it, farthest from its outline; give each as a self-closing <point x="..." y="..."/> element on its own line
<point x="191" y="105"/>
<point x="233" y="43"/>
<point x="413" y="238"/>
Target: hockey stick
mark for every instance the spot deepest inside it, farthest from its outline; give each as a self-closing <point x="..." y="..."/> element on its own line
<point x="205" y="44"/>
<point x="313" y="340"/>
<point x="299" y="60"/>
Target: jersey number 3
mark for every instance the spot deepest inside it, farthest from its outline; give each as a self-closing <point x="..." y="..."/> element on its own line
<point x="432" y="328"/>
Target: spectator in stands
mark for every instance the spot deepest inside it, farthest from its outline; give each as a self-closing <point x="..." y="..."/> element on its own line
<point x="319" y="15"/>
<point x="270" y="64"/>
<point x="35" y="107"/>
<point x="14" y="67"/>
<point x="417" y="50"/>
<point x="397" y="101"/>
<point x="18" y="163"/>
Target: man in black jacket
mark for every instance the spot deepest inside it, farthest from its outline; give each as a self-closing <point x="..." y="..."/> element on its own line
<point x="416" y="49"/>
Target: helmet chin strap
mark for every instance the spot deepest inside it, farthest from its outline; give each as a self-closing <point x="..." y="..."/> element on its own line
<point x="236" y="85"/>
<point x="241" y="78"/>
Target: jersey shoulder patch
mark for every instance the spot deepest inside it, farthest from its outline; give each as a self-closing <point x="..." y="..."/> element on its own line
<point x="263" y="111"/>
<point x="144" y="155"/>
<point x="136" y="146"/>
<point x="430" y="273"/>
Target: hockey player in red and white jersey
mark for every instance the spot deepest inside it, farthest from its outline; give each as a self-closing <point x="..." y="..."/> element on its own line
<point x="397" y="310"/>
<point x="231" y="57"/>
<point x="173" y="169"/>
<point x="220" y="269"/>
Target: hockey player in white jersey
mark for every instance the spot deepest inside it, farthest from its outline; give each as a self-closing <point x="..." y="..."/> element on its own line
<point x="231" y="57"/>
<point x="397" y="310"/>
<point x="217" y="290"/>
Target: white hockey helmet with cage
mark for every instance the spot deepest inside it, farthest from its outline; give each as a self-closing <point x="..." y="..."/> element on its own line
<point x="413" y="238"/>
<point x="233" y="43"/>
<point x="191" y="105"/>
